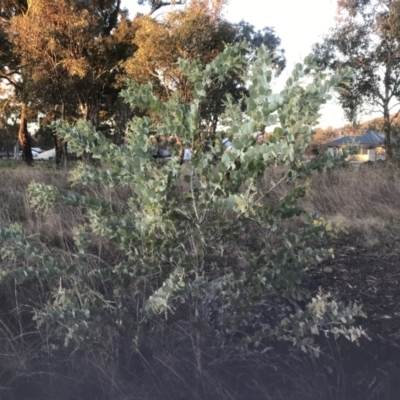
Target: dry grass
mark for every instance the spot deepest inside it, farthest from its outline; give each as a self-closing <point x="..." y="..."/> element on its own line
<point x="360" y="201"/>
<point x="363" y="203"/>
<point x="55" y="226"/>
<point x="22" y="358"/>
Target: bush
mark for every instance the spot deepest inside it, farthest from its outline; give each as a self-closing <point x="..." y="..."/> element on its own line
<point x="201" y="243"/>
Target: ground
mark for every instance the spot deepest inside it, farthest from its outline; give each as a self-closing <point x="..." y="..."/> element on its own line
<point x="369" y="276"/>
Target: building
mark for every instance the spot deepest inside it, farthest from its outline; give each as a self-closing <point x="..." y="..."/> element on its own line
<point x="370" y="147"/>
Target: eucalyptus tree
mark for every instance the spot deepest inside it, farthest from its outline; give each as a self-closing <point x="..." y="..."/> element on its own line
<point x="366" y="38"/>
<point x="71" y="56"/>
<point x="190" y="33"/>
<point x="11" y="69"/>
<point x="196" y="32"/>
<point x="267" y="37"/>
<point x="9" y="106"/>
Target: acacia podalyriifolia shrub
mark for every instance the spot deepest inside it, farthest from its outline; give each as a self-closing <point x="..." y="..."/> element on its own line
<point x="183" y="234"/>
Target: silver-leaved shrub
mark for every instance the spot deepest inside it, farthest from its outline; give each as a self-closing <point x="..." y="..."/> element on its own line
<point x="202" y="241"/>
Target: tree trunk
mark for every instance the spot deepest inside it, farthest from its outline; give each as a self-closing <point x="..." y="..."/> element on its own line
<point x="59" y="145"/>
<point x="23" y="138"/>
<point x="91" y="114"/>
<point x="61" y="151"/>
<point x="387" y="132"/>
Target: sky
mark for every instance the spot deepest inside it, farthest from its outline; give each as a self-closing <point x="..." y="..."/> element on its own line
<point x="299" y="24"/>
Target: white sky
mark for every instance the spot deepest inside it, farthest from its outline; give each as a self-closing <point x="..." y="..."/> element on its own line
<point x="299" y="24"/>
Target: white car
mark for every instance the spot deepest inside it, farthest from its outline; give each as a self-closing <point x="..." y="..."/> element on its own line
<point x="47" y="155"/>
<point x="36" y="151"/>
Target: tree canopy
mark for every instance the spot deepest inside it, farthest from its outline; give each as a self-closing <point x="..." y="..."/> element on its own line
<point x="72" y="53"/>
<point x="194" y="33"/>
<point x="11" y="69"/>
<point x="68" y="59"/>
<point x="366" y="38"/>
<point x="67" y="55"/>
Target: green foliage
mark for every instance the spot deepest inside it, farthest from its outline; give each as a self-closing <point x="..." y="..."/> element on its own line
<point x="266" y="37"/>
<point x="195" y="33"/>
<point x="183" y="235"/>
<point x="366" y="39"/>
<point x="9" y="164"/>
<point x="319" y="315"/>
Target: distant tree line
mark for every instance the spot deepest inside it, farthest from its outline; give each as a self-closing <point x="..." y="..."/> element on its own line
<point x="366" y="37"/>
<point x="69" y="59"/>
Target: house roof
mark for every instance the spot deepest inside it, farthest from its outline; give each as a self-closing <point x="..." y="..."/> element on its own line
<point x="369" y="138"/>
